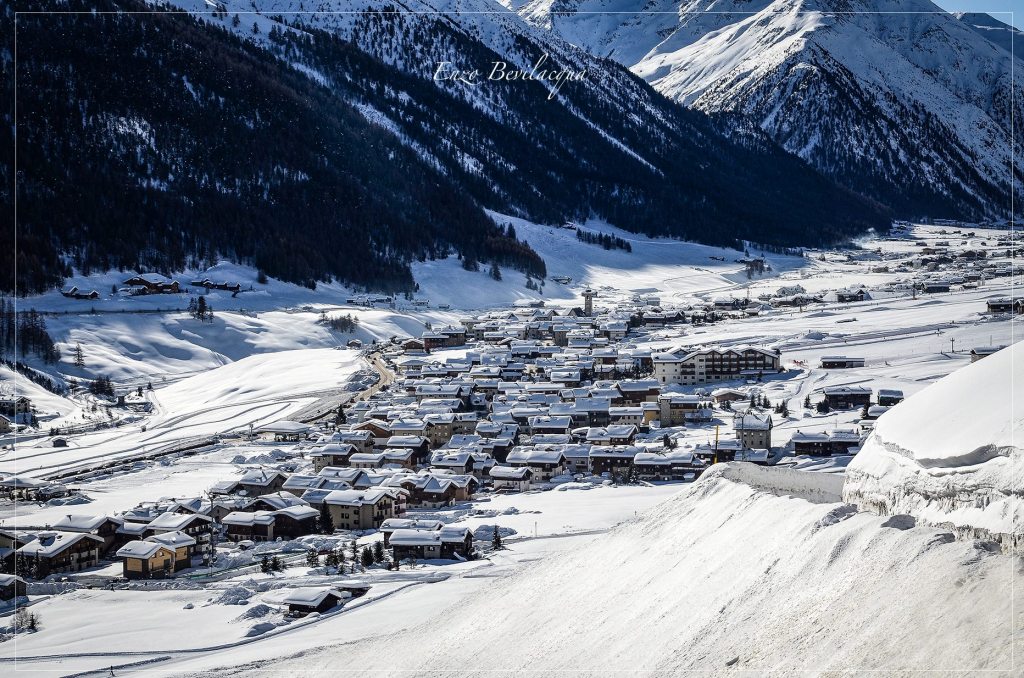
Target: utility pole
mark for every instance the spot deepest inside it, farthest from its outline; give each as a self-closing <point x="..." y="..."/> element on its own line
<point x="951" y="340"/>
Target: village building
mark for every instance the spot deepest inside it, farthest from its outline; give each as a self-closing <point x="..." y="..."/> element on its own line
<point x="889" y="396"/>
<point x="847" y="397"/>
<point x="544" y="462"/>
<point x="146" y="560"/>
<point x="702" y="366"/>
<point x="448" y="543"/>
<point x="12" y="587"/>
<point x="754" y="429"/>
<point x="104" y="527"/>
<point x="52" y="552"/>
<point x="337" y="454"/>
<point x="306" y="600"/>
<point x="678" y="410"/>
<point x="255" y="482"/>
<point x="512" y="478"/>
<point x="359" y="509"/>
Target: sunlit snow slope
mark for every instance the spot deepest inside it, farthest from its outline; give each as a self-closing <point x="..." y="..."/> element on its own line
<point x="951" y="455"/>
<point x="721" y="571"/>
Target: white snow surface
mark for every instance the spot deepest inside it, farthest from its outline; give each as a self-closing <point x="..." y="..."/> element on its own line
<point x="951" y="454"/>
<point x="722" y="571"/>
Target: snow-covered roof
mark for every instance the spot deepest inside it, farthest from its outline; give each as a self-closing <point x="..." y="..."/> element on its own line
<point x="50" y="543"/>
<point x="141" y="549"/>
<point x="285" y="427"/>
<point x="309" y="596"/>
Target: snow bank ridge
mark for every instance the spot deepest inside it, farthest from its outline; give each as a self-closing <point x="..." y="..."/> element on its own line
<point x="950" y="455"/>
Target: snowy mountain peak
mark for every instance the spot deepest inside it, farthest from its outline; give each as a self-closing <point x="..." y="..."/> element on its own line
<point x="899" y="100"/>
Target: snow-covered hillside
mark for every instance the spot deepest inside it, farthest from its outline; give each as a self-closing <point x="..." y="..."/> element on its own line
<point x="721" y="575"/>
<point x="951" y="455"/>
<point x="897" y="99"/>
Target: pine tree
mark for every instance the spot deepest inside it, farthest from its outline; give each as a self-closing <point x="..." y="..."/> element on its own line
<point x="312" y="558"/>
<point x="753" y="401"/>
<point x="265" y="565"/>
<point x="79" y="357"/>
<point x="496" y="540"/>
<point x="495" y="272"/>
<point x="378" y="552"/>
<point x="325" y="524"/>
<point x="275" y="564"/>
<point x="366" y="558"/>
<point x="807" y="401"/>
<point x="200" y="312"/>
<point x="823" y="407"/>
<point x="784" y="408"/>
<point x="331" y="560"/>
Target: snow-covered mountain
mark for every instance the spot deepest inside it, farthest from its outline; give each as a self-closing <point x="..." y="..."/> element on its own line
<point x="381" y="160"/>
<point x="895" y="98"/>
<point x="1002" y="34"/>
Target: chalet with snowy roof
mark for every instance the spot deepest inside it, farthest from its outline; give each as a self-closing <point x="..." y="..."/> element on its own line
<point x="53" y="552"/>
<point x="12" y="587"/>
<point x="199" y="527"/>
<point x="146" y="560"/>
<point x="980" y="352"/>
<point x="1005" y="305"/>
<point x="852" y="294"/>
<point x="512" y="478"/>
<point x="889" y="396"/>
<point x="668" y="465"/>
<point x="547" y="424"/>
<point x="306" y="600"/>
<point x="844" y="441"/>
<point x="448" y="543"/>
<point x="621" y="434"/>
<point x="255" y="482"/>
<point x="75" y="293"/>
<point x="847" y="397"/>
<point x="335" y="454"/>
<point x="104" y="527"/>
<point x="544" y="462"/>
<point x="875" y="411"/>
<point x="678" y="409"/>
<point x="359" y="509"/>
<point x="152" y="283"/>
<point x="717" y="452"/>
<point x="811" y="444"/>
<point x="753" y="429"/>
<point x="388" y="527"/>
<point x="638" y="391"/>
<point x="182" y="544"/>
<point x="275" y="501"/>
<point x="13" y="406"/>
<point x="615" y="461"/>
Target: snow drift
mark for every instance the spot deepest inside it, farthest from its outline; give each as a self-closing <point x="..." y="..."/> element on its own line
<point x="951" y="455"/>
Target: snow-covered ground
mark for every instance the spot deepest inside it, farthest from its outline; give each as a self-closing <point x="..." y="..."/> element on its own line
<point x="560" y="520"/>
<point x="253" y="391"/>
<point x="722" y="574"/>
<point x="765" y="566"/>
<point x="950" y="462"/>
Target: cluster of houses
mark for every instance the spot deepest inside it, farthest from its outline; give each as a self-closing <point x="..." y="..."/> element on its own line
<point x="151" y="542"/>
